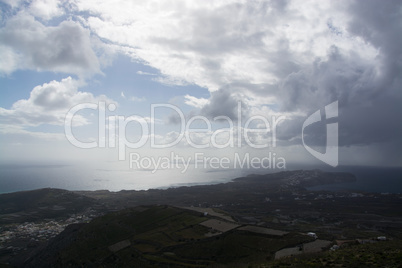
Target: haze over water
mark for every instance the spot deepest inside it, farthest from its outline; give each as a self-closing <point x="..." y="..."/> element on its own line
<point x="116" y="176"/>
<point x="112" y="176"/>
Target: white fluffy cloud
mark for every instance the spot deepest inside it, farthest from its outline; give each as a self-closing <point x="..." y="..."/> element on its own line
<point x="28" y="44"/>
<point x="46" y="9"/>
<point x="49" y="104"/>
<point x="195" y="102"/>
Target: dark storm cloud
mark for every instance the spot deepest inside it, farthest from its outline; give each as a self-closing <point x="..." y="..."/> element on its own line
<point x="369" y="94"/>
<point x="380" y="23"/>
<point x="367" y="88"/>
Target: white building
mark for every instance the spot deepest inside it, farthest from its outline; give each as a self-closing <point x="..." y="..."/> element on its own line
<point x="311" y="234"/>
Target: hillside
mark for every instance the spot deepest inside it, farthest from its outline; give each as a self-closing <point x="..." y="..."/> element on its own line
<point x="249" y="221"/>
<point x="41" y="204"/>
<point x="161" y="236"/>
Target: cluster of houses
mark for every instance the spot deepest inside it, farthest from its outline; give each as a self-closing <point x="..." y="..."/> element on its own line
<point x="39" y="231"/>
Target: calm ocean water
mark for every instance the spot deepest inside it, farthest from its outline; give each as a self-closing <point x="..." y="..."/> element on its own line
<point x="115" y="176"/>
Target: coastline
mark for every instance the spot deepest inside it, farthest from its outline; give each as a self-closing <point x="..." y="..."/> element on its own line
<point x="369" y="179"/>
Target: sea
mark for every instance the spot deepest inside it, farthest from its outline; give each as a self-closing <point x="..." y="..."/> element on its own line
<point x="114" y="176"/>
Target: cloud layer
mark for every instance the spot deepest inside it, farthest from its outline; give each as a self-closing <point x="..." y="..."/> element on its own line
<point x="288" y="57"/>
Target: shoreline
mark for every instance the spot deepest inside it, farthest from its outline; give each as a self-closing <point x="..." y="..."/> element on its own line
<point x="387" y="181"/>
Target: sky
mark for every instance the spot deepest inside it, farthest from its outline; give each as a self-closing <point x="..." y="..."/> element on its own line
<point x="135" y="80"/>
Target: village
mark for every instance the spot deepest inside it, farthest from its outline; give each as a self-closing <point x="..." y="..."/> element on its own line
<point x="16" y="238"/>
